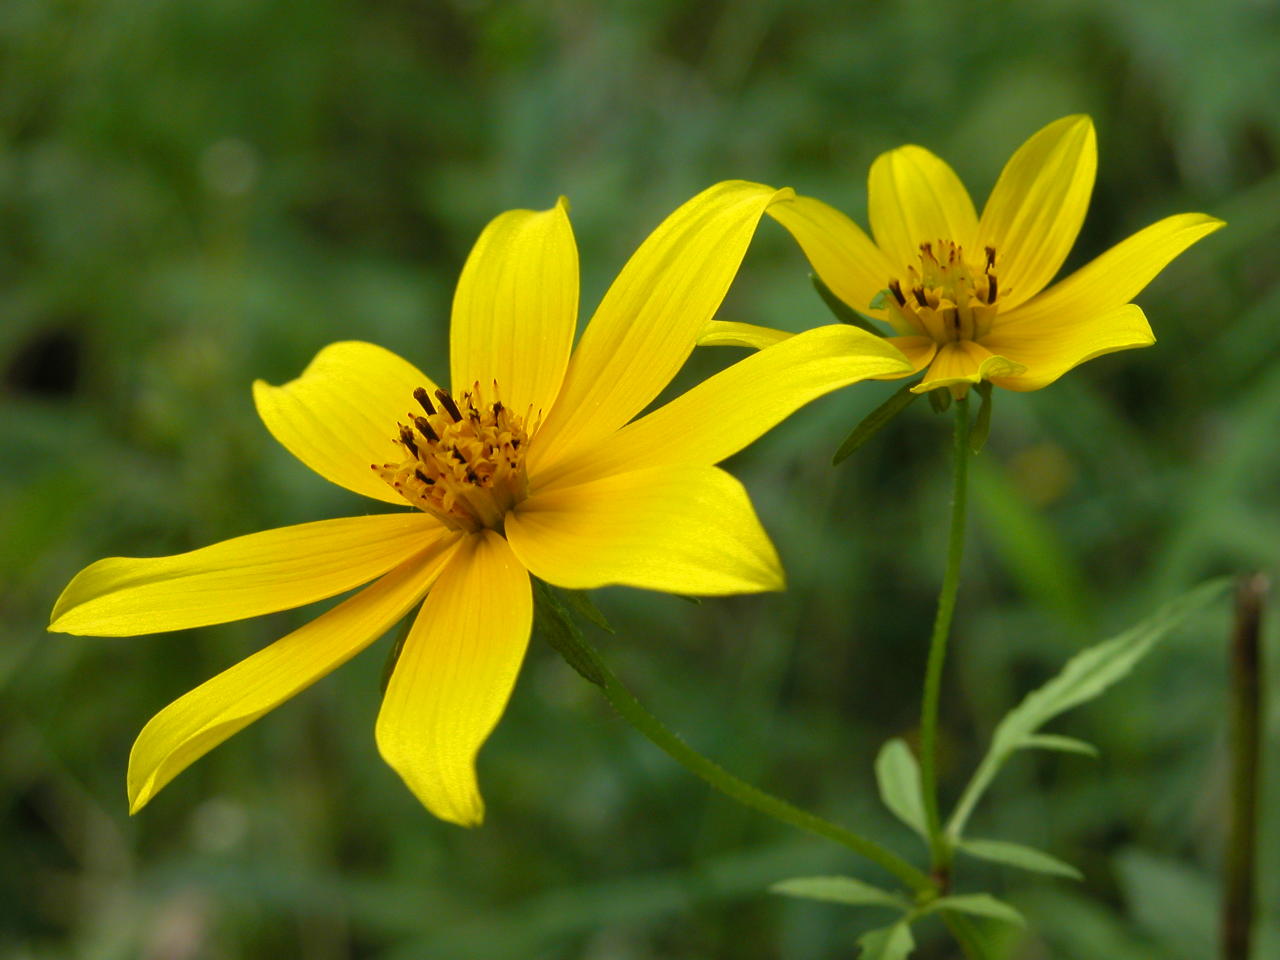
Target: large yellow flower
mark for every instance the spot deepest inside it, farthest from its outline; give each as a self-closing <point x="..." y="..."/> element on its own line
<point x="529" y="466"/>
<point x="963" y="292"/>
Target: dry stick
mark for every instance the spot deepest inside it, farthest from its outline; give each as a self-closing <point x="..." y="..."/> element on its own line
<point x="1240" y="894"/>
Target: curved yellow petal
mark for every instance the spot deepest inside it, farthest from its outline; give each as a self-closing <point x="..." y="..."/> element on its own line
<point x="650" y="318"/>
<point x="197" y="722"/>
<point x="964" y="362"/>
<point x="516" y="308"/>
<point x="730" y="333"/>
<point x="724" y="413"/>
<point x="238" y="578"/>
<point x="919" y="352"/>
<point x="1048" y="349"/>
<point x="455" y="675"/>
<point x="340" y="416"/>
<point x="685" y="529"/>
<point x="1117" y="276"/>
<point x="913" y="197"/>
<point x="852" y="267"/>
<point x="1037" y="206"/>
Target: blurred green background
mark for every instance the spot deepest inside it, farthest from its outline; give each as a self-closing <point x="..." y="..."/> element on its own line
<point x="193" y="195"/>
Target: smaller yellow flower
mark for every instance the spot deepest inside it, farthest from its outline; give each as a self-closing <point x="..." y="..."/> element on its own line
<point x="963" y="292"/>
<point x="532" y="464"/>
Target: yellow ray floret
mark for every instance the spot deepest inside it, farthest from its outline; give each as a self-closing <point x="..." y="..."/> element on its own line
<point x="525" y="464"/>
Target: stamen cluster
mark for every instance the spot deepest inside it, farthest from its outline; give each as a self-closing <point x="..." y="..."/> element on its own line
<point x="944" y="298"/>
<point x="464" y="459"/>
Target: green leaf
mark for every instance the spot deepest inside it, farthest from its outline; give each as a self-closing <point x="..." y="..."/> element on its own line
<point x="982" y="423"/>
<point x="843" y="312"/>
<point x="873" y="421"/>
<point x="1054" y="741"/>
<point x="553" y="622"/>
<point x="580" y="603"/>
<point x="1085" y="676"/>
<point x="887" y="943"/>
<point x="979" y="905"/>
<point x="898" y="777"/>
<point x="840" y="890"/>
<point x="1016" y="855"/>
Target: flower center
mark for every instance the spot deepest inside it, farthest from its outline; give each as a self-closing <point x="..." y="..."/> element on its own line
<point x="464" y="459"/>
<point x="945" y="298"/>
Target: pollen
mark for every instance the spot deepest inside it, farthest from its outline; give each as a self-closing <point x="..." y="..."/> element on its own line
<point x="945" y="297"/>
<point x="463" y="457"/>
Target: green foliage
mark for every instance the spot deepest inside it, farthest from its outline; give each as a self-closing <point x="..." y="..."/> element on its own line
<point x="887" y="943"/>
<point x="1017" y="855"/>
<point x="873" y="422"/>
<point x="898" y="777"/>
<point x="847" y="890"/>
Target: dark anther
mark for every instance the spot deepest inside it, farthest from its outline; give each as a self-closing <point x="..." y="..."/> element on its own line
<point x="458" y="455"/>
<point x="446" y="401"/>
<point x="472" y="477"/>
<point x="424" y="428"/>
<point x="991" y="257"/>
<point x="926" y="248"/>
<point x="515" y="443"/>
<point x="991" y="288"/>
<point x="420" y="395"/>
<point x="896" y="289"/>
<point x="918" y="293"/>
<point x="952" y="318"/>
<point x="406" y="437"/>
<point x="423" y="477"/>
<point x="497" y="407"/>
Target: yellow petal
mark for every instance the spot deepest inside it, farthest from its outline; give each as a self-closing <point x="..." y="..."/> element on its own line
<point x="685" y="529"/>
<point x="913" y="197"/>
<point x="194" y="724"/>
<point x="516" y="308"/>
<point x="730" y="333"/>
<point x="454" y="676"/>
<point x="650" y="318"/>
<point x="1049" y="349"/>
<point x="724" y="413"/>
<point x="963" y="361"/>
<point x="843" y="257"/>
<point x="1038" y="204"/>
<point x="239" y="578"/>
<point x="340" y="415"/>
<point x="919" y="351"/>
<point x="1117" y="276"/>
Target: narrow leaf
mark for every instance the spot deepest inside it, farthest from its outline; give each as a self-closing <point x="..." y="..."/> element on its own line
<point x="898" y="777"/>
<point x="979" y="905"/>
<point x="580" y="603"/>
<point x="982" y="423"/>
<point x="1016" y="855"/>
<point x="840" y="890"/>
<point x="1054" y="741"/>
<point x="555" y="624"/>
<point x="843" y="312"/>
<point x="887" y="943"/>
<point x="940" y="399"/>
<point x="873" y="421"/>
<point x="1085" y="676"/>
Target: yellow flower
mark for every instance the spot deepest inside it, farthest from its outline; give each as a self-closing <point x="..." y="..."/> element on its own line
<point x="529" y="466"/>
<point x="963" y="292"/>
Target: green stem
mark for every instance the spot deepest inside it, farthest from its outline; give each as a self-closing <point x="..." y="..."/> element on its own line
<point x="939" y="847"/>
<point x="669" y="743"/>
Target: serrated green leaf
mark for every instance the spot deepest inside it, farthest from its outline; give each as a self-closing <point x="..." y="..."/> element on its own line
<point x="1085" y="676"/>
<point x="982" y="422"/>
<point x="1017" y="855"/>
<point x="978" y="905"/>
<point x="580" y="603"/>
<point x="887" y="943"/>
<point x="553" y="622"/>
<point x="842" y="311"/>
<point x="840" y="890"/>
<point x="898" y="778"/>
<point x="1054" y="741"/>
<point x="870" y="425"/>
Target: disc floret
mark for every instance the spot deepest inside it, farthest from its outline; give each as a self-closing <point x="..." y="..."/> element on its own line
<point x="944" y="298"/>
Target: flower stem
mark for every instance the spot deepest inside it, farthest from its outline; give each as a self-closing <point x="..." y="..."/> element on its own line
<point x="939" y="846"/>
<point x="673" y="746"/>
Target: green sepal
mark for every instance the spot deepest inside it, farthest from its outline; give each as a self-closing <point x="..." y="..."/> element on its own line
<point x="843" y="312"/>
<point x="880" y="300"/>
<point x="555" y="624"/>
<point x="940" y="399"/>
<point x="982" y="423"/>
<point x="870" y="424"/>
<point x="393" y="655"/>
